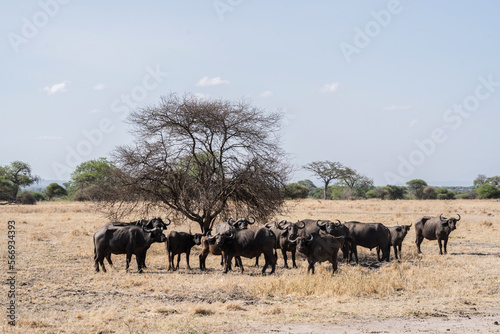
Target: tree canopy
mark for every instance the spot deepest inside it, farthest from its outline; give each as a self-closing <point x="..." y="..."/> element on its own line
<point x="12" y="177"/>
<point x="327" y="171"/>
<point x="203" y="158"/>
<point x="93" y="180"/>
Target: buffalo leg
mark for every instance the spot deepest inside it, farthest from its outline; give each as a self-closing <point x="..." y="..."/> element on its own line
<point x="378" y="253"/>
<point x="440" y="246"/>
<point x="270" y="260"/>
<point x="334" y="261"/>
<point x="311" y="267"/>
<point x="293" y="259"/>
<point x="445" y="243"/>
<point x="227" y="258"/>
<point x="178" y="261"/>
<point x="353" y="251"/>
<point x="108" y="257"/>
<point x="257" y="261"/>
<point x="139" y="262"/>
<point x="418" y="241"/>
<point x="128" y="258"/>
<point x="396" y="252"/>
<point x="285" y="258"/>
<point x="187" y="259"/>
<point x="202" y="258"/>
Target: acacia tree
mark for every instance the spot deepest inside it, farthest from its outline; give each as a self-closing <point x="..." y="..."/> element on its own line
<point x="18" y="173"/>
<point x="205" y="158"/>
<point x="326" y="171"/>
<point x="357" y="183"/>
<point x="416" y="187"/>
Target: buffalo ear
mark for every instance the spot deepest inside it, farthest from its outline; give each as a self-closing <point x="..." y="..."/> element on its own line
<point x="444" y="223"/>
<point x="398" y="228"/>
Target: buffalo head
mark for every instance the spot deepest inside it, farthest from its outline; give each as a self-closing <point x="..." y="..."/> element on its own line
<point x="225" y="238"/>
<point x="241" y="223"/>
<point x="450" y="222"/>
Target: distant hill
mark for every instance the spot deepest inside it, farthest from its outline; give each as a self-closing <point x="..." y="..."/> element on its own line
<point x="40" y="186"/>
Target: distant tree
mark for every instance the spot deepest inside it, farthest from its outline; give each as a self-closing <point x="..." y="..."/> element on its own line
<point x="493" y="180"/>
<point x="378" y="192"/>
<point x="93" y="180"/>
<point x="38" y="196"/>
<point x="416" y="187"/>
<point x="480" y="179"/>
<point x="429" y="192"/>
<point x="327" y="171"/>
<point x="55" y="190"/>
<point x="6" y="189"/>
<point x="395" y="192"/>
<point x="26" y="197"/>
<point x="18" y="173"/>
<point x="310" y="186"/>
<point x="307" y="183"/>
<point x="295" y="191"/>
<point x="488" y="191"/>
<point x="357" y="183"/>
<point x="444" y="193"/>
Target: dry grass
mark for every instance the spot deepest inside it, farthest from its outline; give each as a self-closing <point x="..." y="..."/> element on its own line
<point x="58" y="290"/>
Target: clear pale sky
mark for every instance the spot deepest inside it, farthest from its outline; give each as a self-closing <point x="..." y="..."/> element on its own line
<point x="397" y="90"/>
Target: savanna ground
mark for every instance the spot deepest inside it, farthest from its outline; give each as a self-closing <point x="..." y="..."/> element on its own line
<point x="59" y="292"/>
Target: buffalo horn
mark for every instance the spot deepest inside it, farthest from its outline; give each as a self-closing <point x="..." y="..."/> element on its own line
<point x="458" y="216"/>
<point x="309" y="237"/>
<point x="292" y="239"/>
<point x="231" y="222"/>
<point x="318" y="223"/>
<point x="280" y="225"/>
<point x="231" y="235"/>
<point x="301" y="226"/>
<point x="169" y="221"/>
<point x="253" y="220"/>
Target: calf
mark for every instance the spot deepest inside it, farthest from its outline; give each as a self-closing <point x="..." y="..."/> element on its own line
<point x="319" y="247"/>
<point x="283" y="230"/>
<point x="398" y="234"/>
<point x="178" y="243"/>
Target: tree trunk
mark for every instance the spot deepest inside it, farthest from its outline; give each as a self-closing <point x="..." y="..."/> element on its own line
<point x="325" y="189"/>
<point x="14" y="192"/>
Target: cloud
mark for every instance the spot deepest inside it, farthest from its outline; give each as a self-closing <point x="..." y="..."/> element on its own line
<point x="329" y="88"/>
<point x="45" y="137"/>
<point x="206" y="81"/>
<point x="93" y="111"/>
<point x="100" y="86"/>
<point x="57" y="88"/>
<point x="267" y="93"/>
<point x="394" y="107"/>
<point x="201" y="96"/>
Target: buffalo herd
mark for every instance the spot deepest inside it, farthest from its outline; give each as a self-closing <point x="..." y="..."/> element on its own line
<point x="316" y="240"/>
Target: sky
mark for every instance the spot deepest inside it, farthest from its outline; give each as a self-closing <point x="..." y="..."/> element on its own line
<point x="397" y="90"/>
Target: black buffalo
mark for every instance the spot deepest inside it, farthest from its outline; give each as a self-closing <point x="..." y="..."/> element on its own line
<point x="248" y="243"/>
<point x="282" y="231"/>
<point x="319" y="247"/>
<point x="398" y="234"/>
<point x="369" y="235"/>
<point x="432" y="228"/>
<point x="131" y="239"/>
<point x="155" y="222"/>
<point x="230" y="224"/>
<point x="337" y="229"/>
<point x="178" y="243"/>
